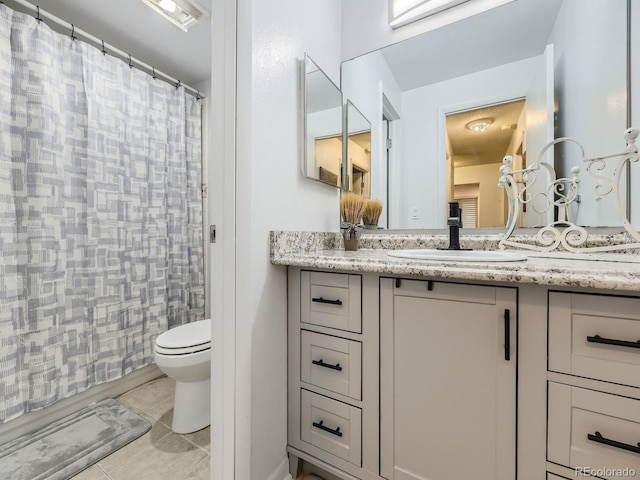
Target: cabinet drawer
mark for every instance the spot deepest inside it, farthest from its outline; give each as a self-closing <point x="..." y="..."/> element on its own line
<point x="332" y="426"/>
<point x="595" y="336"/>
<point x="332" y="300"/>
<point x="576" y="414"/>
<point x="331" y="362"/>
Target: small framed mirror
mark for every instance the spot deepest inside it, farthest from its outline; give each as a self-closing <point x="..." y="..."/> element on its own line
<point x="321" y="118"/>
<point x="357" y="168"/>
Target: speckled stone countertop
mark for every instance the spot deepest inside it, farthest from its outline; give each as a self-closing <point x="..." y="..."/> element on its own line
<point x="619" y="271"/>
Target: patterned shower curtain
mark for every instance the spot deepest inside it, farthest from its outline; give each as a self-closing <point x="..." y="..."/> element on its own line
<point x="100" y="215"/>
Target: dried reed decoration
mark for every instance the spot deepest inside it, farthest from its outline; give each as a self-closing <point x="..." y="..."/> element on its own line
<point x="352" y="207"/>
<point x="372" y="211"/>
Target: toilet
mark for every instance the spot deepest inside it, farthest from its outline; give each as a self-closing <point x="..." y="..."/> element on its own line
<point x="184" y="354"/>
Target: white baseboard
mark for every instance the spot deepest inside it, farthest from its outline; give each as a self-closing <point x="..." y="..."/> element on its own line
<point x="282" y="472"/>
<point x="32" y="421"/>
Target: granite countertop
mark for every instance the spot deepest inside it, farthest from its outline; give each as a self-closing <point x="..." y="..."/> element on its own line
<point x="620" y="271"/>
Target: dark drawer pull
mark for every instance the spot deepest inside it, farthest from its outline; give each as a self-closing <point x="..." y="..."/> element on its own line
<point x="598" y="438"/>
<point x="320" y="363"/>
<point x="612" y="341"/>
<point x="330" y="302"/>
<point x="507" y="334"/>
<point x="335" y="432"/>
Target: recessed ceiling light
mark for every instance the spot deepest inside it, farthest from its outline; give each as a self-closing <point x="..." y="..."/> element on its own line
<point x="183" y="13"/>
<point x="479" y="125"/>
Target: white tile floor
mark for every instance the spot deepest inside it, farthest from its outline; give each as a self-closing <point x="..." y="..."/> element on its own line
<point x="160" y="454"/>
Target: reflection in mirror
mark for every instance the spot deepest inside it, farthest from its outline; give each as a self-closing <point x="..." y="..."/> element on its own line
<point x="476" y="142"/>
<point x="567" y="59"/>
<point x="358" y="153"/>
<point x="322" y="120"/>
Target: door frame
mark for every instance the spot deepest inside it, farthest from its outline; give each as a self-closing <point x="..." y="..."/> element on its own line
<point x="222" y="258"/>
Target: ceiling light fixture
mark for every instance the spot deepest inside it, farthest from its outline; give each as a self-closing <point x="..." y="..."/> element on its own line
<point x="479" y="125"/>
<point x="182" y="13"/>
<point x="167" y="5"/>
<point x="402" y="12"/>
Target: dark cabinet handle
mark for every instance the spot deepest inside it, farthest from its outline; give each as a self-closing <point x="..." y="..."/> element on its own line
<point x="320" y="363"/>
<point x="507" y="334"/>
<point x="335" y="432"/>
<point x="611" y="341"/>
<point x="331" y="302"/>
<point x="598" y="438"/>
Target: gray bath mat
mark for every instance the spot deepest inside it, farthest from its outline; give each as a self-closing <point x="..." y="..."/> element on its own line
<point x="68" y="446"/>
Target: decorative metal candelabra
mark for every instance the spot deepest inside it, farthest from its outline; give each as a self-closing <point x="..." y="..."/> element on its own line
<point x="560" y="194"/>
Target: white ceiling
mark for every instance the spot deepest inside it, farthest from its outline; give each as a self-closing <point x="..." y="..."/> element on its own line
<point x="133" y="27"/>
<point x="473" y="44"/>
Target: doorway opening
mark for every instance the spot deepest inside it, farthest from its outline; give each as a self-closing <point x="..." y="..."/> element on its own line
<point x="476" y="142"/>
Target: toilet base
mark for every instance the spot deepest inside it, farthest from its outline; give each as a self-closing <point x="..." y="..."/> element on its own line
<point x="191" y="406"/>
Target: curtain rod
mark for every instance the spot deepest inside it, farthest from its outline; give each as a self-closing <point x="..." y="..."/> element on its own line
<point x="75" y="32"/>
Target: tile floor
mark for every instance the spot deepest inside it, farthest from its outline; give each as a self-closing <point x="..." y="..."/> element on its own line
<point x="160" y="454"/>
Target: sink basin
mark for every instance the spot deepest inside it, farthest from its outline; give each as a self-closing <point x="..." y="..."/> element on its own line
<point x="459" y="255"/>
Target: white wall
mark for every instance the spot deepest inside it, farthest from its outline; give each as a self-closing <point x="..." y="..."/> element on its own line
<point x="423" y="117"/>
<point x="271" y="194"/>
<point x="590" y="81"/>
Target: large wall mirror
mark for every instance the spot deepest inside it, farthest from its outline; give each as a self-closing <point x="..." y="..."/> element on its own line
<point x="454" y="101"/>
<point x="321" y="114"/>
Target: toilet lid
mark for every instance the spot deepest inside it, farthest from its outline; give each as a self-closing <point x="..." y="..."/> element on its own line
<point x="195" y="334"/>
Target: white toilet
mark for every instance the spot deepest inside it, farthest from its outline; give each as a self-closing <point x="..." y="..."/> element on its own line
<point x="184" y="354"/>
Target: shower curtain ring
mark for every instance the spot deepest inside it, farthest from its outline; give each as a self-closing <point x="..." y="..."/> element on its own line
<point x="130" y="64"/>
<point x="73" y="32"/>
<point x="104" y="51"/>
<point x="38" y="13"/>
<point x="178" y="84"/>
<point x="198" y="97"/>
<point x="154" y="72"/>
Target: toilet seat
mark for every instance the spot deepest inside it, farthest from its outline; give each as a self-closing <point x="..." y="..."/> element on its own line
<point x="189" y="338"/>
<point x="183" y="351"/>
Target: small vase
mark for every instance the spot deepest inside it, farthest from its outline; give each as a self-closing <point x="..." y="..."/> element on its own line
<point x="370" y="226"/>
<point x="350" y="243"/>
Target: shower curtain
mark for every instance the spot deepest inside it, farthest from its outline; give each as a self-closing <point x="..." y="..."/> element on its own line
<point x="100" y="215"/>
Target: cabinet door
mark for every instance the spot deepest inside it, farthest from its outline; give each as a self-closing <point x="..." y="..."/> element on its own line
<point x="448" y="381"/>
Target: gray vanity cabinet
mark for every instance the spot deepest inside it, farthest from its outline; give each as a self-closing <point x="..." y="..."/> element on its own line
<point x="396" y="377"/>
<point x="448" y="356"/>
<point x="401" y="379"/>
<point x="594" y="385"/>
<point x="333" y="341"/>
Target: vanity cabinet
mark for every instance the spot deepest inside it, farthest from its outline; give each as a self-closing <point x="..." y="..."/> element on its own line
<point x="593" y="392"/>
<point x="448" y="381"/>
<point x="333" y="341"/>
<point x="406" y="378"/>
<point x="401" y="379"/>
